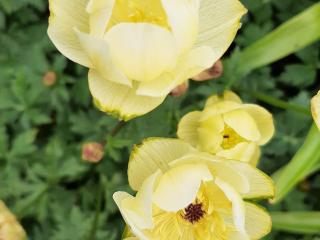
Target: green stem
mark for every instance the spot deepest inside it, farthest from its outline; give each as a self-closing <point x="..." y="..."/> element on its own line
<point x="92" y="235"/>
<point x="279" y="103"/>
<point x="304" y="161"/>
<point x="117" y="128"/>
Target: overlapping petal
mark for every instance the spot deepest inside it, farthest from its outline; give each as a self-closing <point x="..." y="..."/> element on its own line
<point x="119" y="100"/>
<point x="64" y="17"/>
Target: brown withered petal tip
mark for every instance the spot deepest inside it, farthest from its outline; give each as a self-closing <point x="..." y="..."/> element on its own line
<point x="215" y="71"/>
<point x="180" y="90"/>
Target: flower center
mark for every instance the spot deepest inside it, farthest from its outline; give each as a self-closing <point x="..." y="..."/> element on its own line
<point x="230" y="138"/>
<point x="193" y="213"/>
<point x="138" y="11"/>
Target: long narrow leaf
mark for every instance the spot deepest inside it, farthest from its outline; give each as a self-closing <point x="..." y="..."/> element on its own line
<point x="304" y="162"/>
<point x="290" y="37"/>
<point x="296" y="222"/>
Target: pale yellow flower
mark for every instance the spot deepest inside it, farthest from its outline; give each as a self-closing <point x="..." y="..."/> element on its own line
<point x="138" y="50"/>
<point x="186" y="194"/>
<point x="10" y="229"/>
<point x="315" y="109"/>
<point x="228" y="128"/>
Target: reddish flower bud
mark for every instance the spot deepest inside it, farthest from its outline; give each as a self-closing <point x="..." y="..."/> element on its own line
<point x="180" y="90"/>
<point x="92" y="152"/>
<point x="49" y="79"/>
<point x="214" y="72"/>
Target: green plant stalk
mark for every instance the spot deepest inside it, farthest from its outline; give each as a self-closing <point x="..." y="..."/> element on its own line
<point x="279" y="103"/>
<point x="293" y="35"/>
<point x="305" y="160"/>
<point x="296" y="222"/>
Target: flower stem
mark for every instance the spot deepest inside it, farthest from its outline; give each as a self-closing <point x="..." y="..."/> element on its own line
<point x="279" y="103"/>
<point x="92" y="235"/>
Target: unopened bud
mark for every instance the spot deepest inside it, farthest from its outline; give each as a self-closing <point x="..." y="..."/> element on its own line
<point x="214" y="72"/>
<point x="180" y="90"/>
<point x="10" y="228"/>
<point x="92" y="152"/>
<point x="49" y="79"/>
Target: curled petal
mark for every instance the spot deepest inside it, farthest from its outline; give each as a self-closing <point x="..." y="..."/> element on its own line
<point x="64" y="16"/>
<point x="119" y="100"/>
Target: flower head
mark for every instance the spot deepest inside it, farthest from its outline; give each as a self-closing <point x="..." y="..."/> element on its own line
<point x="228" y="128"/>
<point x="138" y="50"/>
<point x="315" y="109"/>
<point x="186" y="194"/>
<point x="10" y="229"/>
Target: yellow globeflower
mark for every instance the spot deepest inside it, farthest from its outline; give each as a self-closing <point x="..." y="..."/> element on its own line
<point x="186" y="194"/>
<point x="10" y="229"/>
<point x="315" y="109"/>
<point x="228" y="128"/>
<point x="139" y="50"/>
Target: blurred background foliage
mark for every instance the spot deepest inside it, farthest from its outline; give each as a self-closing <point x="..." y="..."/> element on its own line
<point x="46" y="115"/>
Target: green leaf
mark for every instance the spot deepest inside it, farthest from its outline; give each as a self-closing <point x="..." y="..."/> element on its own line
<point x="304" y="161"/>
<point x="24" y="143"/>
<point x="290" y="37"/>
<point x="296" y="222"/>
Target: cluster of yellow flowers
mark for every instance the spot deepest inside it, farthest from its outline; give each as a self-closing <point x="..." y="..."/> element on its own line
<point x="200" y="186"/>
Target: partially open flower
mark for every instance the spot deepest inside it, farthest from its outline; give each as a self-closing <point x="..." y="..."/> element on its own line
<point x="138" y="50"/>
<point x="315" y="109"/>
<point x="214" y="72"/>
<point x="92" y="152"/>
<point x="10" y="228"/>
<point x="185" y="194"/>
<point x="228" y="128"/>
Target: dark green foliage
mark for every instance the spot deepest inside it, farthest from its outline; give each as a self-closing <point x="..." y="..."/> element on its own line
<point x="55" y="194"/>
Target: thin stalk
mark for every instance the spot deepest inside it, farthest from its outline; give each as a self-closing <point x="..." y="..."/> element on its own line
<point x="92" y="235"/>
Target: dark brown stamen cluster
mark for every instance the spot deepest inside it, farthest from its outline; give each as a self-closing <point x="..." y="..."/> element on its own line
<point x="193" y="213"/>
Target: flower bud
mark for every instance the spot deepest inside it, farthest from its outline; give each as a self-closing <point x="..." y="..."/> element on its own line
<point x="10" y="229"/>
<point x="49" y="79"/>
<point x="92" y="152"/>
<point x="180" y="90"/>
<point x="214" y="72"/>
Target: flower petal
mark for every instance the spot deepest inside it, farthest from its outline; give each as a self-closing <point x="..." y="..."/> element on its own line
<point x="244" y="151"/>
<point x="238" y="207"/>
<point x="143" y="51"/>
<point x="258" y="221"/>
<point x="119" y="197"/>
<point x="139" y="209"/>
<point x="188" y="128"/>
<point x="100" y="13"/>
<point x="264" y="121"/>
<point x="99" y="54"/>
<point x="119" y="100"/>
<point x="315" y="109"/>
<point x="210" y="134"/>
<point x="178" y="187"/>
<point x="188" y="66"/>
<point x="219" y="108"/>
<point x="154" y="154"/>
<point x="218" y="24"/>
<point x="230" y="175"/>
<point x="227" y="96"/>
<point x="64" y="16"/>
<point x="243" y="124"/>
<point x="183" y="20"/>
<point x="261" y="185"/>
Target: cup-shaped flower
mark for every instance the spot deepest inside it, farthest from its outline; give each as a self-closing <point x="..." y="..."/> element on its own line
<point x="315" y="109"/>
<point x="183" y="193"/>
<point x="10" y="229"/>
<point x="138" y="50"/>
<point x="228" y="128"/>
